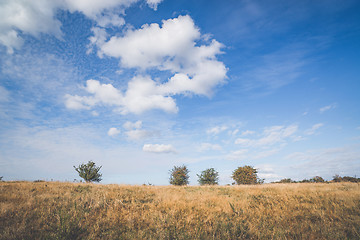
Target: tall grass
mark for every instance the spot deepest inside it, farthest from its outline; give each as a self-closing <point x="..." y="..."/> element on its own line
<point x="49" y="210"/>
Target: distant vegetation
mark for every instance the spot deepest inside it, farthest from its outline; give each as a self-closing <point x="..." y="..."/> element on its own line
<point x="318" y="179"/>
<point x="53" y="210"/>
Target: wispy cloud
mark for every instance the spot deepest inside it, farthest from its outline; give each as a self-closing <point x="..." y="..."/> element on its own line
<point x="327" y="108"/>
<point x="313" y="129"/>
<point x="209" y="146"/>
<point x="159" y="148"/>
<point x="216" y="130"/>
<point x="270" y="136"/>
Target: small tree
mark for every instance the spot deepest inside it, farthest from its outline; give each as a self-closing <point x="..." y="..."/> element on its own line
<point x="208" y="177"/>
<point x="246" y="175"/>
<point x="317" y="179"/>
<point x="179" y="175"/>
<point x="89" y="172"/>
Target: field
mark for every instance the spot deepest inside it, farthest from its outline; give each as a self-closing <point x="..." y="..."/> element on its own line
<point x="54" y="210"/>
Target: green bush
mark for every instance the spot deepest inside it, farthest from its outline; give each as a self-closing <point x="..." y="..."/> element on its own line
<point x="246" y="175"/>
<point x="179" y="175"/>
<point x="208" y="177"/>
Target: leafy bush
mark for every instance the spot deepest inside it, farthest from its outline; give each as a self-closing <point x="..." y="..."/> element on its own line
<point x="246" y="175"/>
<point x="179" y="175"/>
<point x="208" y="177"/>
<point x="89" y="172"/>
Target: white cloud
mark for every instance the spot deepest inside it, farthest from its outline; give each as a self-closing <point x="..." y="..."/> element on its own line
<point x="233" y="133"/>
<point x="327" y="108"/>
<point x="29" y="17"/>
<point x="172" y="47"/>
<point x="216" y="130"/>
<point x="113" y="132"/>
<point x="159" y="148"/>
<point x="244" y="141"/>
<point x="142" y="95"/>
<point x="271" y="135"/>
<point x="35" y="17"/>
<point x="209" y="146"/>
<point x="134" y="131"/>
<point x="247" y="133"/>
<point x="153" y="3"/>
<point x="313" y="129"/>
<point x="238" y="155"/>
<point x="132" y="125"/>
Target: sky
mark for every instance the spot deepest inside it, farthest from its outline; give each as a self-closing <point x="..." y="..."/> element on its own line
<point x="141" y="86"/>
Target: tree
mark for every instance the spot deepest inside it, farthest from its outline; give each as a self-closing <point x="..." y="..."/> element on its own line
<point x="208" y="177"/>
<point x="179" y="175"/>
<point x="246" y="175"/>
<point x="89" y="172"/>
<point x="317" y="179"/>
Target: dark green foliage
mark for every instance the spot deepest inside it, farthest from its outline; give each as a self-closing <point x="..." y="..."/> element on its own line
<point x="338" y="178"/>
<point x="1" y="178"/>
<point x="286" y="180"/>
<point x="179" y="175"/>
<point x="246" y="175"/>
<point x="208" y="177"/>
<point x="89" y="172"/>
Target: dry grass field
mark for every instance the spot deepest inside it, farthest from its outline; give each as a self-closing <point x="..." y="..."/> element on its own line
<point x="54" y="210"/>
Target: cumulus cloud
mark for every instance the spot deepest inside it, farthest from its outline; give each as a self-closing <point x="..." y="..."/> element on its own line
<point x="29" y="17"/>
<point x="141" y="95"/>
<point x="159" y="148"/>
<point x="270" y="136"/>
<point x="113" y="132"/>
<point x="171" y="47"/>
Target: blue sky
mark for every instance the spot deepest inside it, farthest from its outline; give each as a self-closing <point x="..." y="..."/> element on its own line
<point x="139" y="86"/>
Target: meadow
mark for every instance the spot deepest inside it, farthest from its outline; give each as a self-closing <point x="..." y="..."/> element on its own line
<point x="57" y="210"/>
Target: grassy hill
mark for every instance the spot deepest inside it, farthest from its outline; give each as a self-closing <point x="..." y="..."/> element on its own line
<point x="54" y="210"/>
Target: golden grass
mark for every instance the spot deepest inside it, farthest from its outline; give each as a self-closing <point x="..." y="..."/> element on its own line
<point x="51" y="210"/>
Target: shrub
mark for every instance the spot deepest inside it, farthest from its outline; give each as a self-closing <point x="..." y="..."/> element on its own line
<point x="208" y="177"/>
<point x="246" y="175"/>
<point x="179" y="175"/>
<point x="89" y="172"/>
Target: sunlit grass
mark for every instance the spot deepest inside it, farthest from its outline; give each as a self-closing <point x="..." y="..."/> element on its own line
<point x="51" y="210"/>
